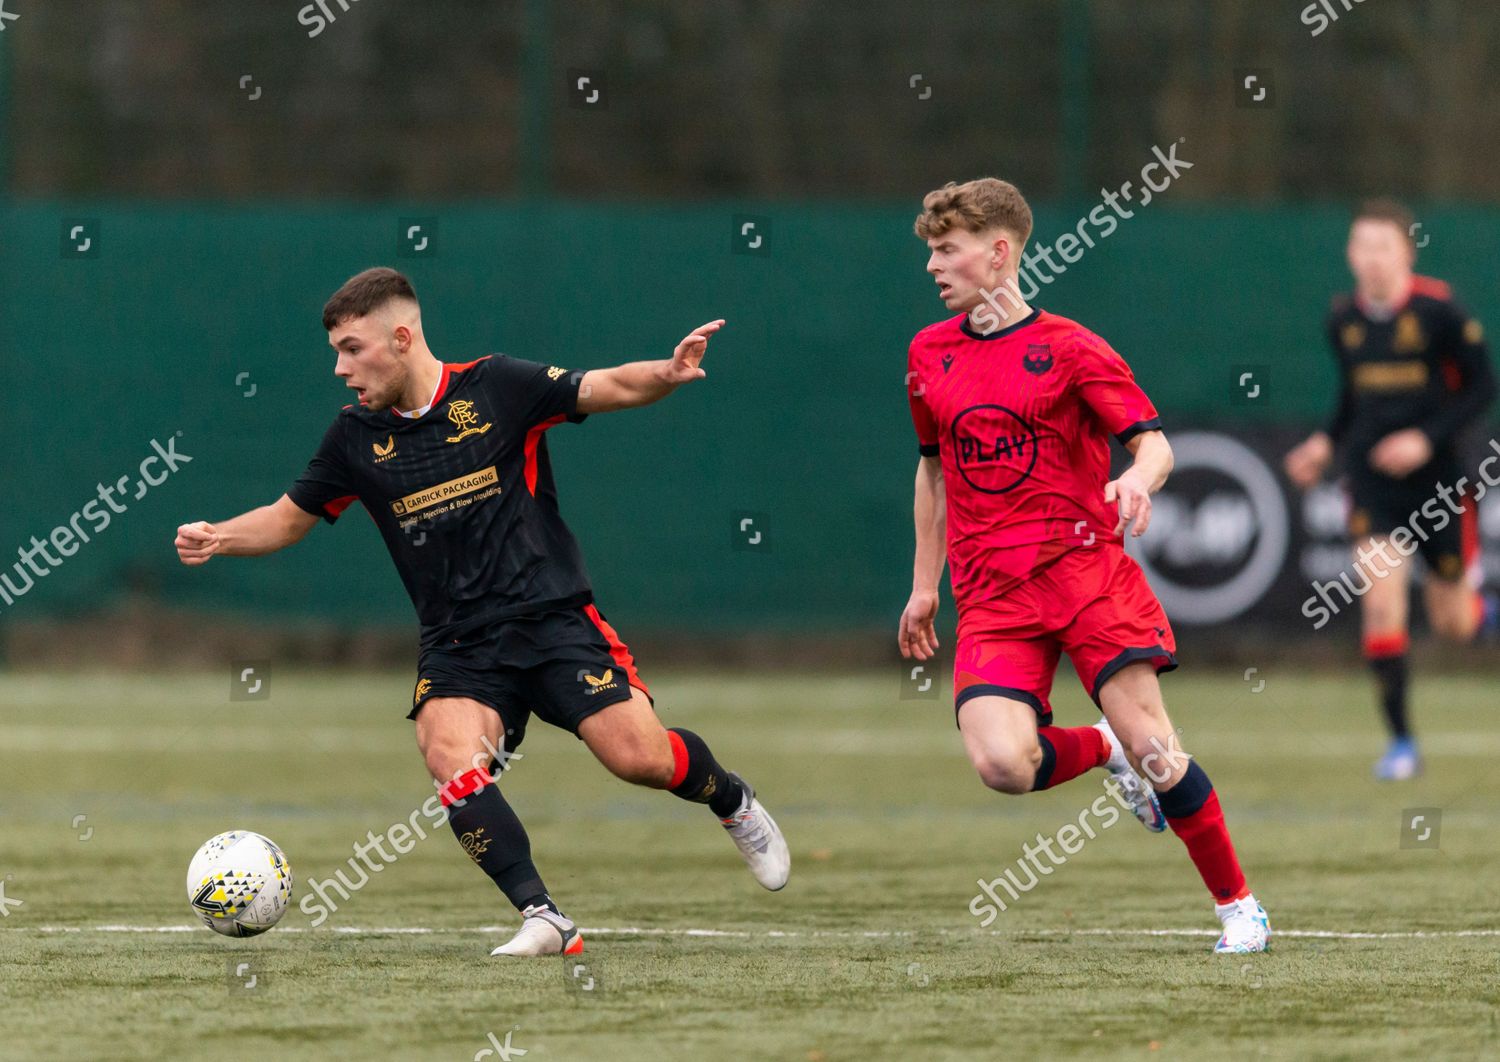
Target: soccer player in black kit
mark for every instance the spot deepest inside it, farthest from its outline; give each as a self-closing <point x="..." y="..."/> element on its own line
<point x="450" y="460"/>
<point x="1414" y="373"/>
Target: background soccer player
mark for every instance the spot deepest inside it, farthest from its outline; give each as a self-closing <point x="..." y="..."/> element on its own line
<point x="1013" y="408"/>
<point x="1414" y="373"/>
<point x="451" y="462"/>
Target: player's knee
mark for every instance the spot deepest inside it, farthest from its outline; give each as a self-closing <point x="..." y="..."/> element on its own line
<point x="1452" y="625"/>
<point x="447" y="760"/>
<point x="1382" y="616"/>
<point x="642" y="761"/>
<point x="1008" y="771"/>
<point x="449" y="755"/>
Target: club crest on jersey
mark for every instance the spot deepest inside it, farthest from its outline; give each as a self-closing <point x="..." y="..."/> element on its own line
<point x="466" y="420"/>
<point x="384" y="451"/>
<point x="1409" y="338"/>
<point x="1037" y="359"/>
<point x="995" y="448"/>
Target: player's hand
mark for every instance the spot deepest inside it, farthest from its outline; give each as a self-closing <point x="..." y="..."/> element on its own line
<point x="917" y="638"/>
<point x="1134" y="499"/>
<point x="197" y="542"/>
<point x="1306" y="462"/>
<point x="684" y="365"/>
<point x="1401" y="453"/>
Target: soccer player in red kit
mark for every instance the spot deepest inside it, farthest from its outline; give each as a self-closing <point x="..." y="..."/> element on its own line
<point x="1014" y="408"/>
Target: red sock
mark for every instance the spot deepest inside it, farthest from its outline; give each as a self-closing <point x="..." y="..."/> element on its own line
<point x="1068" y="751"/>
<point x="1212" y="852"/>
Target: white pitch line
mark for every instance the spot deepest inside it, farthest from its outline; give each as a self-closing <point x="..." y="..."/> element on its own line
<point x="639" y="931"/>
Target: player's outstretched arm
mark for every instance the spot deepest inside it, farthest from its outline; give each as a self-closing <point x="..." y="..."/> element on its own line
<point x="639" y="383"/>
<point x="263" y="530"/>
<point x="1145" y="476"/>
<point x="917" y="636"/>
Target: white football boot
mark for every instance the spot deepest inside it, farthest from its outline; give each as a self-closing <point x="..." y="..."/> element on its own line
<point x="1133" y="789"/>
<point x="543" y="932"/>
<point x="759" y="840"/>
<point x="1246" y="927"/>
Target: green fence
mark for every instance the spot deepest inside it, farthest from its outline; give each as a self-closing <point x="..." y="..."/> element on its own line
<point x="205" y="321"/>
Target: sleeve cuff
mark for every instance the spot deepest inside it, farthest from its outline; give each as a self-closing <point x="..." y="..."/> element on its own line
<point x="575" y="417"/>
<point x="1153" y="424"/>
<point x="928" y="449"/>
<point x="330" y="510"/>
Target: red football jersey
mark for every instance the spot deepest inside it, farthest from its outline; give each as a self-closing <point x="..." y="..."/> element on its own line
<point x="1022" y="419"/>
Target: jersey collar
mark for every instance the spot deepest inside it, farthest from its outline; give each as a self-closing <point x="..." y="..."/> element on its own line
<point x="1388" y="312"/>
<point x="442" y="387"/>
<point x="963" y="325"/>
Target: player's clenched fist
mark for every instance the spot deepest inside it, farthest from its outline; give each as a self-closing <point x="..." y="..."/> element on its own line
<point x="196" y="542"/>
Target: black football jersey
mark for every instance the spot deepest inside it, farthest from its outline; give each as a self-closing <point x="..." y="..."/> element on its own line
<point x="463" y="495"/>
<point x="1426" y="366"/>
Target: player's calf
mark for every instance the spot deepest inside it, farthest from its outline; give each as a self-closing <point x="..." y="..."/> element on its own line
<point x="697" y="776"/>
<point x="629" y="740"/>
<point x="457" y="737"/>
<point x="638" y="757"/>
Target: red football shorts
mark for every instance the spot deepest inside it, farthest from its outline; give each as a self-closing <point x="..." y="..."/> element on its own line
<point x="1093" y="604"/>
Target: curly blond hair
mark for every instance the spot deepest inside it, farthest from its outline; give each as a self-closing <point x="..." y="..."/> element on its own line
<point x="976" y="206"/>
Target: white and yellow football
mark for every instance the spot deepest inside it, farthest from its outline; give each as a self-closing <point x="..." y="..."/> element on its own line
<point x="239" y="883"/>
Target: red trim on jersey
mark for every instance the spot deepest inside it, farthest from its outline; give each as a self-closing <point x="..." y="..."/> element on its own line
<point x="679" y="759"/>
<point x="450" y="368"/>
<point x="1432" y="287"/>
<point x="336" y="507"/>
<point x="618" y="651"/>
<point x="533" y="440"/>
<point x="1453" y="377"/>
<point x="466" y="784"/>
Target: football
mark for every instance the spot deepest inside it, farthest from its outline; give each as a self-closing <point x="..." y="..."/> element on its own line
<point x="239" y="883"/>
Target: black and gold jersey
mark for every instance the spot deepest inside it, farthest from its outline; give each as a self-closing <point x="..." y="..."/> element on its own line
<point x="1422" y="365"/>
<point x="463" y="495"/>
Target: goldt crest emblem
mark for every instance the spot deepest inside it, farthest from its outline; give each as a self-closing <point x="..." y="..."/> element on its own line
<point x="466" y="420"/>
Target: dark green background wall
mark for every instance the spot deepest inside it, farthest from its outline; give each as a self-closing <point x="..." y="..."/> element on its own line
<point x="802" y="417"/>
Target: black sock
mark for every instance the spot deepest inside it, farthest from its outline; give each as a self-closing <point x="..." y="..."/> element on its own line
<point x="1045" y="768"/>
<point x="699" y="777"/>
<point x="1390" y="673"/>
<point x="494" y="838"/>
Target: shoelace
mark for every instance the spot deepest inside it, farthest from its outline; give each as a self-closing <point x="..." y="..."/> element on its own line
<point x="750" y="827"/>
<point x="1131" y="787"/>
<point x="1243" y="909"/>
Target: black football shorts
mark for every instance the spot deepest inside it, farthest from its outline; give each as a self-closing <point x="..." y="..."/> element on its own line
<point x="1448" y="542"/>
<point x="563" y="665"/>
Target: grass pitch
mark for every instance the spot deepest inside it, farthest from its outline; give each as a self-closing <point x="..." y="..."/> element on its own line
<point x="108" y="784"/>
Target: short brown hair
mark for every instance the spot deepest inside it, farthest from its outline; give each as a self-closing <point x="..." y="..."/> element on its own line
<point x="1388" y="210"/>
<point x="364" y="293"/>
<point x="975" y="206"/>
